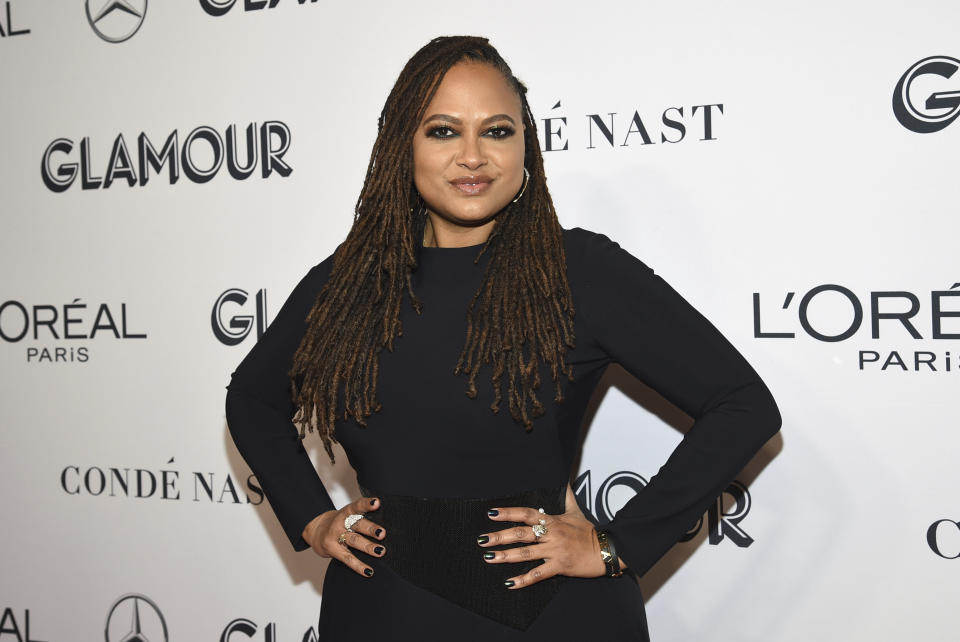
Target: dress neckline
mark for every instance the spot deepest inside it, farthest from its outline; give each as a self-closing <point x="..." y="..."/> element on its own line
<point x="457" y="254"/>
<point x="454" y="259"/>
<point x="452" y="249"/>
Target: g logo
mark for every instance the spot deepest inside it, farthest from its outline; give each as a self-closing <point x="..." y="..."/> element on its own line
<point x="238" y="327"/>
<point x="218" y="8"/>
<point x="929" y="119"/>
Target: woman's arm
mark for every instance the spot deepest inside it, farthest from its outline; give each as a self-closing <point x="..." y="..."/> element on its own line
<point x="270" y="445"/>
<point x="259" y="412"/>
<point x="646" y="326"/>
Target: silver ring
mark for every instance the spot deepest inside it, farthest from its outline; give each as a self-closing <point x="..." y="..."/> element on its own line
<point x="351" y="520"/>
<point x="540" y="529"/>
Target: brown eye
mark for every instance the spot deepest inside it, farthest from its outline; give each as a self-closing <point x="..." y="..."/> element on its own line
<point x="440" y="132"/>
<point x="500" y="132"/>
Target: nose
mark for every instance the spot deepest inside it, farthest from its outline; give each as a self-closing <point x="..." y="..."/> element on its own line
<point x="471" y="155"/>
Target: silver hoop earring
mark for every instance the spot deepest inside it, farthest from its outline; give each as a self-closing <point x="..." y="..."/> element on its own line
<point x="526" y="180"/>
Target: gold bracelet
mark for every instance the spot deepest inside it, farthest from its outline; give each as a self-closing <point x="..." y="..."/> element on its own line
<point x="608" y="553"/>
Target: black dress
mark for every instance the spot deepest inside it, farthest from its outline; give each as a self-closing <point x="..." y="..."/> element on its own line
<point x="431" y="441"/>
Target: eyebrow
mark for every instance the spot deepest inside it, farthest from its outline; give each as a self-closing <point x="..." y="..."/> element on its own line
<point x="457" y="121"/>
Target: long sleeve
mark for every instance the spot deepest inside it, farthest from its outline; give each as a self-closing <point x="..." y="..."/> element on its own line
<point x="643" y="324"/>
<point x="260" y="410"/>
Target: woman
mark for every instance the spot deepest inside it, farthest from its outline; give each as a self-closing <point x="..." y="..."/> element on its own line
<point x="457" y="265"/>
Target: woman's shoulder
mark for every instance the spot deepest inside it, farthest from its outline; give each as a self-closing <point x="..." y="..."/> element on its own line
<point x="580" y="241"/>
<point x="310" y="284"/>
<point x="577" y="238"/>
<point x="594" y="252"/>
<point x="321" y="271"/>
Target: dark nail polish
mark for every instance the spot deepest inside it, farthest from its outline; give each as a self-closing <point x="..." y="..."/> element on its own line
<point x="378" y="550"/>
<point x="368" y="572"/>
<point x="373" y="501"/>
<point x="508" y="583"/>
<point x="493" y="512"/>
<point x="489" y="555"/>
<point x="378" y="531"/>
<point x="483" y="539"/>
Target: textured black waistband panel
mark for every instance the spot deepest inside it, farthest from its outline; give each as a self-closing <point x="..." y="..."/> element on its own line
<point x="432" y="543"/>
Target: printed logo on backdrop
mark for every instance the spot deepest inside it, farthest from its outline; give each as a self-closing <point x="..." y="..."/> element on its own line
<point x="232" y="322"/>
<point x="922" y="101"/>
<point x="19" y="628"/>
<point x="60" y="333"/>
<point x="135" y="618"/>
<point x="8" y="30"/>
<point x="943" y="538"/>
<point x="247" y="629"/>
<point x="617" y="489"/>
<point x="200" y="156"/>
<point x="833" y="313"/>
<point x="616" y="130"/>
<point x="218" y="8"/>
<point x="162" y="483"/>
<point x="116" y="20"/>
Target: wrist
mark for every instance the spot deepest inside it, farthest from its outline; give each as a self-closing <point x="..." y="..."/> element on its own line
<point x="608" y="555"/>
<point x="310" y="530"/>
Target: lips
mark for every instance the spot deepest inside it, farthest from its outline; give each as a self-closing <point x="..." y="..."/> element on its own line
<point x="474" y="184"/>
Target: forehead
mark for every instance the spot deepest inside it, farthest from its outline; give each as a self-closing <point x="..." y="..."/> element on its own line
<point x="472" y="89"/>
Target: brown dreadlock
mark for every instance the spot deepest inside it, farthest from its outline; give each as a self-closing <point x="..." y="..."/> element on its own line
<point x="521" y="315"/>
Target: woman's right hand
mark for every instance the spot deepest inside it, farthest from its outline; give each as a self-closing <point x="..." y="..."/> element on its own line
<point x="324" y="531"/>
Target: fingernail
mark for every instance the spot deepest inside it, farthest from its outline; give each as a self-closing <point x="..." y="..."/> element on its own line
<point x="373" y="501"/>
<point x="508" y="583"/>
<point x="489" y="555"/>
<point x="378" y="531"/>
<point x="378" y="550"/>
<point x="493" y="512"/>
<point x="483" y="539"/>
<point x="369" y="572"/>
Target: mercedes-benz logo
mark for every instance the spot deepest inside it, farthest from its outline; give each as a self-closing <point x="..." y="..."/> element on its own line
<point x="135" y="618"/>
<point x="116" y="20"/>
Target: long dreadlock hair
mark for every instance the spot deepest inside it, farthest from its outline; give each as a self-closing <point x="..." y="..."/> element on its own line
<point x="520" y="316"/>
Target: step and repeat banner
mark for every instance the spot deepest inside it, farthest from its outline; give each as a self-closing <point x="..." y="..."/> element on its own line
<point x="169" y="170"/>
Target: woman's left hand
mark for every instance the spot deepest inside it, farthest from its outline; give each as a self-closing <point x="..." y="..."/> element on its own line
<point x="569" y="546"/>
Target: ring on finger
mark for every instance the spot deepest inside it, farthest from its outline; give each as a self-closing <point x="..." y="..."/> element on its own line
<point x="342" y="539"/>
<point x="540" y="529"/>
<point x="352" y="519"/>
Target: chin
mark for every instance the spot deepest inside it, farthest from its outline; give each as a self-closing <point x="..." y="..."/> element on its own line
<point x="468" y="217"/>
<point x="477" y="214"/>
<point x="476" y="220"/>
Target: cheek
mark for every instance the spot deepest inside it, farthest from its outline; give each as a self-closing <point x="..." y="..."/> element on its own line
<point x="512" y="156"/>
<point x="427" y="165"/>
<point x="512" y="162"/>
<point x="419" y="170"/>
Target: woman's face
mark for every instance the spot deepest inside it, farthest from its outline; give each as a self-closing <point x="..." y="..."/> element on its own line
<point x="468" y="150"/>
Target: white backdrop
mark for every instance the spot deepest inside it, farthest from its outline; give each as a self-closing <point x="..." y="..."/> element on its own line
<point x="806" y="179"/>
